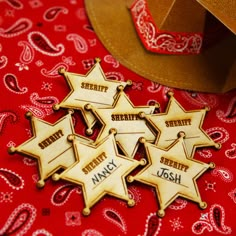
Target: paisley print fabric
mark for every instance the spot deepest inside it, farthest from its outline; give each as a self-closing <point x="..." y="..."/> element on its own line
<point x="37" y="37"/>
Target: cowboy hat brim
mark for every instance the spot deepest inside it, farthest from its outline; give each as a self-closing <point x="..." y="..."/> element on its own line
<point x="211" y="71"/>
<point x="224" y="10"/>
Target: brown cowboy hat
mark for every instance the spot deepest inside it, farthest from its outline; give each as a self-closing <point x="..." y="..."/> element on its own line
<point x="212" y="70"/>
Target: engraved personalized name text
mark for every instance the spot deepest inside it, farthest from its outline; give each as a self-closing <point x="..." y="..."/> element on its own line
<point x="103" y="172"/>
<point x="107" y="170"/>
<point x="170" y="174"/>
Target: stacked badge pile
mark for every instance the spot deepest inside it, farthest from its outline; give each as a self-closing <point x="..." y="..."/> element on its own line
<point x="105" y="165"/>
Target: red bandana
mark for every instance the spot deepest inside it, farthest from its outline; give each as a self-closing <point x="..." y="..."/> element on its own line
<point x="163" y="42"/>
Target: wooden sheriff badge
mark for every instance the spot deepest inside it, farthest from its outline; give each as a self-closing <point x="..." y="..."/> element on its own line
<point x="49" y="145"/>
<point x="176" y="119"/>
<point x="124" y="117"/>
<point x="172" y="173"/>
<point x="93" y="88"/>
<point x="100" y="170"/>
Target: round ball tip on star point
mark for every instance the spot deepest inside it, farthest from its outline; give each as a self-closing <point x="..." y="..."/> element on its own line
<point x="56" y="107"/>
<point x="131" y="202"/>
<point x="97" y="59"/>
<point x="55" y="177"/>
<point x="141" y="115"/>
<point x="40" y="183"/>
<point x="212" y="165"/>
<point x="11" y="150"/>
<point x="70" y="137"/>
<point x="70" y="111"/>
<point x="88" y="107"/>
<point x="89" y="131"/>
<point x="129" y="82"/>
<point x="181" y="134"/>
<point x="157" y="105"/>
<point x="28" y="115"/>
<point x="120" y="88"/>
<point x="161" y="213"/>
<point x="142" y="140"/>
<point x="142" y="162"/>
<point x="218" y="145"/>
<point x="86" y="211"/>
<point x="61" y="71"/>
<point x="170" y="93"/>
<point x="203" y="205"/>
<point x="113" y="131"/>
<point x="130" y="178"/>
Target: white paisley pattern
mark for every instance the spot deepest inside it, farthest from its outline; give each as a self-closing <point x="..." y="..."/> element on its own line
<point x="162" y="42"/>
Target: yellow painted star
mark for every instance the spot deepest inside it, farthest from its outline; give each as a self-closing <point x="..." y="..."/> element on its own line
<point x="100" y="170"/>
<point x="175" y="120"/>
<point x="124" y="117"/>
<point x="172" y="173"/>
<point x="91" y="88"/>
<point x="49" y="145"/>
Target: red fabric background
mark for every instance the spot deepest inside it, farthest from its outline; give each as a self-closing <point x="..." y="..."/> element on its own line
<point x="29" y="82"/>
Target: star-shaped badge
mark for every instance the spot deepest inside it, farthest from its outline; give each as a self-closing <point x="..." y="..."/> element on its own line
<point x="124" y="117"/>
<point x="100" y="170"/>
<point x="49" y="145"/>
<point x="172" y="173"/>
<point x="93" y="88"/>
<point x="175" y="120"/>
